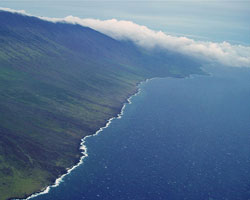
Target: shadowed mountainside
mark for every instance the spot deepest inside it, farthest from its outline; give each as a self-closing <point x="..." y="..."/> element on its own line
<point x="58" y="83"/>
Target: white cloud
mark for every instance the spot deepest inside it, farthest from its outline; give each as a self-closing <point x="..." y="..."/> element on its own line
<point x="224" y="53"/>
<point x="15" y="11"/>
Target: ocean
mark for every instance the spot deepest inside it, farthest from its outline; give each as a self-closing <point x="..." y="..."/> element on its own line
<point x="178" y="139"/>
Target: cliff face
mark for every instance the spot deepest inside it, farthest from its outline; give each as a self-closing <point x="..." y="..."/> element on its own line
<point x="59" y="83"/>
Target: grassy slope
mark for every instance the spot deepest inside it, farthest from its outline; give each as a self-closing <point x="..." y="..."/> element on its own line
<point x="59" y="83"/>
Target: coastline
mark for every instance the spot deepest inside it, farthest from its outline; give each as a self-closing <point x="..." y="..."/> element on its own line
<point x="83" y="149"/>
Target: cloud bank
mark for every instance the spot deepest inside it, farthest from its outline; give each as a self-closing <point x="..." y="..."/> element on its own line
<point x="22" y="12"/>
<point x="223" y="53"/>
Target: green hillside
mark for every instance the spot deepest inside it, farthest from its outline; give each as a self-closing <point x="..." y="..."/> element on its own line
<point x="59" y="83"/>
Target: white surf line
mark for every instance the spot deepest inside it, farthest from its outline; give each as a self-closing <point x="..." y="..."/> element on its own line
<point x="83" y="147"/>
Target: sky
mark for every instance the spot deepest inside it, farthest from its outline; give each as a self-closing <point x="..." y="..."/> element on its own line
<point x="215" y="31"/>
<point x="207" y="20"/>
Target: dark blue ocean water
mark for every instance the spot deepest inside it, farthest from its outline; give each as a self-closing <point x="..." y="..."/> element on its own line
<point x="179" y="139"/>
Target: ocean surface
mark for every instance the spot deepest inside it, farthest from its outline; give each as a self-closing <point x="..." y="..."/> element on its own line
<point x="179" y="139"/>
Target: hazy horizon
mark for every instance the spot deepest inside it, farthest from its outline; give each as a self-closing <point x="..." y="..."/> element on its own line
<point x="224" y="53"/>
<point x="73" y="69"/>
<point x="215" y="21"/>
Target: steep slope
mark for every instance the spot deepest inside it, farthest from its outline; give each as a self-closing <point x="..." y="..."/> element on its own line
<point x="59" y="83"/>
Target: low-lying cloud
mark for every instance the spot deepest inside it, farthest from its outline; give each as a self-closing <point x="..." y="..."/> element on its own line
<point x="22" y="12"/>
<point x="223" y="53"/>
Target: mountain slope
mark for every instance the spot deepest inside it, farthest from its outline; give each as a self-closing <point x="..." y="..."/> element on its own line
<point x="58" y="83"/>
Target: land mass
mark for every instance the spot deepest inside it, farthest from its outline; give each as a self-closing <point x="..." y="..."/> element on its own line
<point x="58" y="83"/>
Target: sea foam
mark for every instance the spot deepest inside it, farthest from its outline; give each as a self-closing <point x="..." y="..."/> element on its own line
<point x="84" y="149"/>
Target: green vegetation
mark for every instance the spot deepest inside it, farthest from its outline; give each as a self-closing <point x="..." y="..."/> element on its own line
<point x="59" y="83"/>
